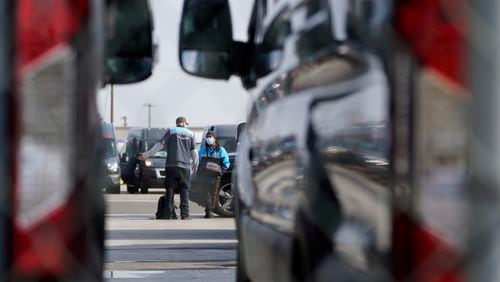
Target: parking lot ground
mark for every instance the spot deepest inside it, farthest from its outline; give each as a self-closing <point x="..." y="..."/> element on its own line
<point x="141" y="248"/>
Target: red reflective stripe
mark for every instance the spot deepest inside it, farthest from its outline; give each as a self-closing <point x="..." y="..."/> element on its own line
<point x="49" y="248"/>
<point x="44" y="24"/>
<point x="54" y="246"/>
<point x="420" y="255"/>
<point x="434" y="30"/>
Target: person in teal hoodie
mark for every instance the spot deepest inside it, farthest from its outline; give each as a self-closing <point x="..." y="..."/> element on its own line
<point x="214" y="160"/>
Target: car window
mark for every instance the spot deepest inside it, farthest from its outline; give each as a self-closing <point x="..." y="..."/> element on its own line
<point x="121" y="147"/>
<point x="160" y="154"/>
<point x="109" y="148"/>
<point x="229" y="143"/>
<point x="148" y="144"/>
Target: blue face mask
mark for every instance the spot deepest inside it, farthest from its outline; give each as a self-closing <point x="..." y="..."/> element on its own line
<point x="210" y="140"/>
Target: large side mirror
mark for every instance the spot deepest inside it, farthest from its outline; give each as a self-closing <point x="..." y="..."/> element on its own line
<point x="129" y="43"/>
<point x="206" y="39"/>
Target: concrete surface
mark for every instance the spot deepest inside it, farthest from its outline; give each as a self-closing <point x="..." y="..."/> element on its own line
<point x="141" y="248"/>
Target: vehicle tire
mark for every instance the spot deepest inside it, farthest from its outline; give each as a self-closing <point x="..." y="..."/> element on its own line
<point x="224" y="206"/>
<point x="132" y="189"/>
<point x="114" y="189"/>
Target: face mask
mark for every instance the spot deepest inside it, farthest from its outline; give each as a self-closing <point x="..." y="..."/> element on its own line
<point x="210" y="140"/>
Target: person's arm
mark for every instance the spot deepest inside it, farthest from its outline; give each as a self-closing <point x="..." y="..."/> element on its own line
<point x="156" y="148"/>
<point x="225" y="158"/>
<point x="194" y="157"/>
<point x="200" y="153"/>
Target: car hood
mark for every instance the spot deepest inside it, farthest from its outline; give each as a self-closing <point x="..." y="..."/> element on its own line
<point x="109" y="160"/>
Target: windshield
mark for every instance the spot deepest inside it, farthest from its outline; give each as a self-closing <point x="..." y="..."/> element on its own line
<point x="160" y="154"/>
<point x="109" y="148"/>
<point x="229" y="143"/>
<point x="121" y="146"/>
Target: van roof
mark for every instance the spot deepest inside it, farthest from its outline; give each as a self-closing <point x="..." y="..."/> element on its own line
<point x="222" y="129"/>
<point x="146" y="133"/>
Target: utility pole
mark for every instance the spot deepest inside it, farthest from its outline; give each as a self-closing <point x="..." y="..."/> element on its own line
<point x="124" y="121"/>
<point x="112" y="104"/>
<point x="149" y="113"/>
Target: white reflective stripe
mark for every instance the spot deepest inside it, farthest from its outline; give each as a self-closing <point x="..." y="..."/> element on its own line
<point x="47" y="135"/>
<point x="441" y="157"/>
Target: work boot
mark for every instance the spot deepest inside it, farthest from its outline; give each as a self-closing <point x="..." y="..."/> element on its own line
<point x="208" y="212"/>
<point x="169" y="208"/>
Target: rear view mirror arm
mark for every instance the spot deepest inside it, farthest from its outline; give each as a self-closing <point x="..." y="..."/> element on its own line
<point x="243" y="63"/>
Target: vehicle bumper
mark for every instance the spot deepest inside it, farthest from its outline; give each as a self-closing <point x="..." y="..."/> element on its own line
<point x="153" y="177"/>
<point x="111" y="180"/>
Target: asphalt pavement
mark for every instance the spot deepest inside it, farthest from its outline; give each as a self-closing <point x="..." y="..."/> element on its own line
<point x="141" y="248"/>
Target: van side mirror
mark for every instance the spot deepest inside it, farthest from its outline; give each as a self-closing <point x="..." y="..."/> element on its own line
<point x="206" y="39"/>
<point x="129" y="50"/>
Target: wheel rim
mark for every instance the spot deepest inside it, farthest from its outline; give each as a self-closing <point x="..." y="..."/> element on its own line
<point x="226" y="198"/>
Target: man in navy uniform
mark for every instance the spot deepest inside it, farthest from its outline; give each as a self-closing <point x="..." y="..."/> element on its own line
<point x="182" y="157"/>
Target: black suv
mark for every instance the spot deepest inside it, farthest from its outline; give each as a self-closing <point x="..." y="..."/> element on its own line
<point x="151" y="172"/>
<point x="227" y="136"/>
<point x="353" y="165"/>
<point x="111" y="160"/>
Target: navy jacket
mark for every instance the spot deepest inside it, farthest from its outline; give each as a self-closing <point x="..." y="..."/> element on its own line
<point x="180" y="147"/>
<point x="217" y="152"/>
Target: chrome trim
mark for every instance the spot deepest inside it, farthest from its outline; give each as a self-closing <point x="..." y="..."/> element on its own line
<point x="158" y="171"/>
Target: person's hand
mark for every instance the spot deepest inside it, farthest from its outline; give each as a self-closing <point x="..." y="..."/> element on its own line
<point x="141" y="157"/>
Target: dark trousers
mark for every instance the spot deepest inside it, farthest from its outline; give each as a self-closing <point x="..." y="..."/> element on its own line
<point x="212" y="188"/>
<point x="176" y="178"/>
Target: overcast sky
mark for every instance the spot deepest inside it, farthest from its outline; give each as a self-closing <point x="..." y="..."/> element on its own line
<point x="173" y="92"/>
